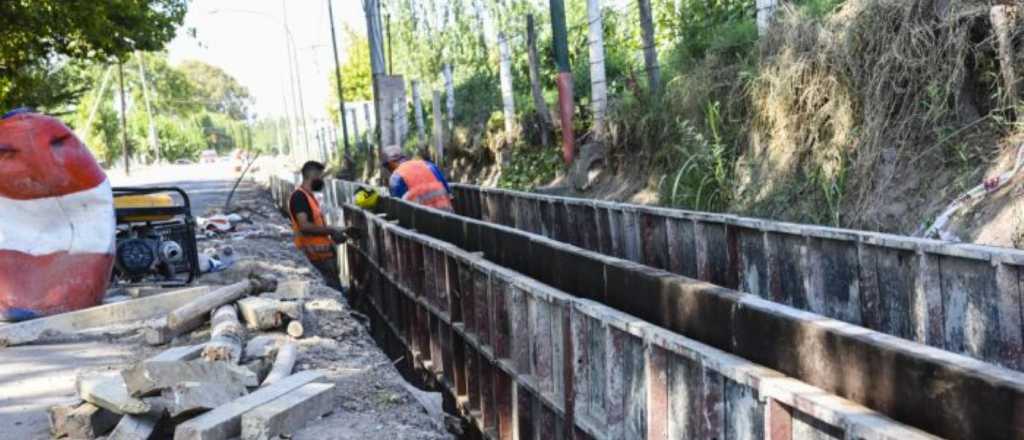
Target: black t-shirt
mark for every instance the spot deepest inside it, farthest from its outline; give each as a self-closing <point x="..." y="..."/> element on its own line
<point x="299" y="204"/>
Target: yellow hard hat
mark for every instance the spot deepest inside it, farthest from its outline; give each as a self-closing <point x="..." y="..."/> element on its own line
<point x="367" y="198"/>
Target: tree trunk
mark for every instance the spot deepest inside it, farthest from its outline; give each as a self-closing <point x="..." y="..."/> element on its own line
<point x="449" y="88"/>
<point x="765" y="10"/>
<point x="418" y="108"/>
<point x="508" y="103"/>
<point x="598" y="85"/>
<point x="438" y="128"/>
<point x="650" y="51"/>
<point x="1002" y="17"/>
<point x="538" y="95"/>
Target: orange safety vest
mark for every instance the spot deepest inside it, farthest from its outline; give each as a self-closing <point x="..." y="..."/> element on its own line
<point x="316" y="247"/>
<point x="424" y="187"/>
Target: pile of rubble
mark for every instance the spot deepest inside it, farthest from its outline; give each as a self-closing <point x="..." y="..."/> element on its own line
<point x="232" y="385"/>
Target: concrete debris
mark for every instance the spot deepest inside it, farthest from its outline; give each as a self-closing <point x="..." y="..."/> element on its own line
<point x="288" y="413"/>
<point x="135" y="427"/>
<point x="264" y="345"/>
<point x="149" y="376"/>
<point x="226" y="420"/>
<point x="108" y="391"/>
<point x="265" y="314"/>
<point x="86" y="421"/>
<point x="190" y="397"/>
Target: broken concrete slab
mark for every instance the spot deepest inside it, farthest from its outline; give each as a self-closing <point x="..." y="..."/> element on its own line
<point x="188" y="397"/>
<point x="291" y="290"/>
<point x="87" y="421"/>
<point x="265" y="314"/>
<point x="100" y="316"/>
<point x="108" y="391"/>
<point x="58" y="416"/>
<point x="181" y="353"/>
<point x="288" y="413"/>
<point x="135" y="427"/>
<point x="148" y="376"/>
<point x="226" y="421"/>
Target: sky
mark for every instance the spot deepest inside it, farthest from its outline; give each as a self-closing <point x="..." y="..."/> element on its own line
<point x="247" y="39"/>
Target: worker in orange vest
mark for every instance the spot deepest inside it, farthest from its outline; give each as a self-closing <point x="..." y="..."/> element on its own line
<point x="416" y="180"/>
<point x="313" y="236"/>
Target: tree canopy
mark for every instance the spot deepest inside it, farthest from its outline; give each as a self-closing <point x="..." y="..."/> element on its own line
<point x="218" y="91"/>
<point x="356" y="76"/>
<point x="41" y="39"/>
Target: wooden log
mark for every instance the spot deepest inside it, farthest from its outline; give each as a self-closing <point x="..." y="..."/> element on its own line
<point x="109" y="392"/>
<point x="264" y="345"/>
<point x="210" y="301"/>
<point x="295" y="329"/>
<point x="125" y="311"/>
<point x="226" y="338"/>
<point x="283" y="364"/>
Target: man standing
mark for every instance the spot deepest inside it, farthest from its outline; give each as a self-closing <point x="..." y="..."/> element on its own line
<point x="312" y="235"/>
<point x="417" y="181"/>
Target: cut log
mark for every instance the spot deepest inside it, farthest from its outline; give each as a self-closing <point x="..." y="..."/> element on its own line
<point x="109" y="392"/>
<point x="179" y="317"/>
<point x="288" y="413"/>
<point x="99" y="316"/>
<point x="226" y="337"/>
<point x="191" y="397"/>
<point x="225" y="421"/>
<point x="148" y="376"/>
<point x="87" y="421"/>
<point x="135" y="427"/>
<point x="283" y="364"/>
<point x="295" y="329"/>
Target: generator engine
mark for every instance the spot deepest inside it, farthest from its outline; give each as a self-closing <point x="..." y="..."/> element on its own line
<point x="156" y="241"/>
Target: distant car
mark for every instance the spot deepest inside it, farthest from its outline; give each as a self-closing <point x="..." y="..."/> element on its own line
<point x="208" y="156"/>
<point x="183" y="162"/>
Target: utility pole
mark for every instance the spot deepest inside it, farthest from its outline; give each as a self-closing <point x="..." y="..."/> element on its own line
<point x="337" y="78"/>
<point x="650" y="51"/>
<point x="508" y="102"/>
<point x="294" y="61"/>
<point x="535" y="89"/>
<point x="565" y="99"/>
<point x="391" y="59"/>
<point x="124" y="122"/>
<point x="153" y="143"/>
<point x="373" y="32"/>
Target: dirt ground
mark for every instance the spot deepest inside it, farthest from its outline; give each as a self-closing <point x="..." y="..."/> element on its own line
<point x="373" y="400"/>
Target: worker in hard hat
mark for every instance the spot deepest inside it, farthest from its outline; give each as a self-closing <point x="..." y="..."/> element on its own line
<point x="367" y="198"/>
<point x="416" y="180"/>
<point x="313" y="236"/>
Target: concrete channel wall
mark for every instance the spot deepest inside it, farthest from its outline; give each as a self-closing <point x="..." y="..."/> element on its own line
<point x="958" y="297"/>
<point x="526" y="360"/>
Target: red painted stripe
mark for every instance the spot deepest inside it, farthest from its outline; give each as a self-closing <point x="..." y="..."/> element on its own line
<point x="42" y="157"/>
<point x="52" y="283"/>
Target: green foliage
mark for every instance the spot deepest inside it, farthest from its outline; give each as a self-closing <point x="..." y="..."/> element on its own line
<point x="43" y="42"/>
<point x="217" y="91"/>
<point x="356" y="74"/>
<point x="530" y="167"/>
<point x="700" y="168"/>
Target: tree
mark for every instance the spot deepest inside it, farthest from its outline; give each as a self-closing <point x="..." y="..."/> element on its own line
<point x="356" y="75"/>
<point x="218" y="91"/>
<point x="41" y="42"/>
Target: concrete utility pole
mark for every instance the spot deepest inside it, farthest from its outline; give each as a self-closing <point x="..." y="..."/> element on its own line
<point x="294" y="61"/>
<point x="337" y="78"/>
<point x="598" y="85"/>
<point x="373" y="32"/>
<point x="538" y="94"/>
<point x="417" y="105"/>
<point x="565" y="99"/>
<point x="125" y="149"/>
<point x="508" y="101"/>
<point x="650" y="49"/>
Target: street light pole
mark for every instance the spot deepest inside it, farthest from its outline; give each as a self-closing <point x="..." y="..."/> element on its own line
<point x="124" y="121"/>
<point x="337" y="78"/>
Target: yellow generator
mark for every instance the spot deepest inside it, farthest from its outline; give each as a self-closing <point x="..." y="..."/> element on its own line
<point x="156" y="242"/>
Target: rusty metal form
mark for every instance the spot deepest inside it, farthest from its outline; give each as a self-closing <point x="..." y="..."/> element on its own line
<point x="912" y="288"/>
